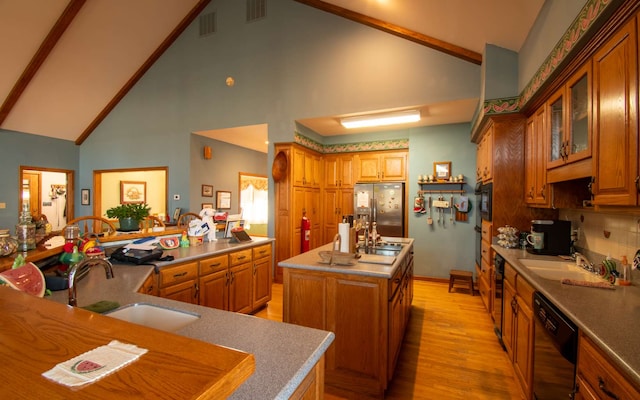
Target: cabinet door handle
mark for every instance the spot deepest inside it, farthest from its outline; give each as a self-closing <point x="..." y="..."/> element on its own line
<point x="233" y="276"/>
<point x="514" y="305"/>
<point x="214" y="265"/>
<point x="254" y="270"/>
<point x="604" y="389"/>
<point x="531" y="192"/>
<point x="542" y="191"/>
<point x="241" y="257"/>
<point x="637" y="181"/>
<point x="226" y="282"/>
<point x="590" y="185"/>
<point x="196" y="292"/>
<point x="180" y="274"/>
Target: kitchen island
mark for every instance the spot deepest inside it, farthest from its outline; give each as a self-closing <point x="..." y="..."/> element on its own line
<point x="366" y="305"/>
<point x="608" y="318"/>
<point x="288" y="359"/>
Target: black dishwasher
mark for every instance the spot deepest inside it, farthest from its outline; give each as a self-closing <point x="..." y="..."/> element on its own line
<point x="554" y="352"/>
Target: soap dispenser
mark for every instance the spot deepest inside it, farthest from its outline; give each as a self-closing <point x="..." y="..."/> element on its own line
<point x="625" y="275"/>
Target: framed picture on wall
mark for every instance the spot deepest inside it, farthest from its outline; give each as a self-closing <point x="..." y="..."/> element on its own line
<point x="133" y="192"/>
<point x="207" y="191"/>
<point x="223" y="200"/>
<point x="85" y="197"/>
<point x="207" y="205"/>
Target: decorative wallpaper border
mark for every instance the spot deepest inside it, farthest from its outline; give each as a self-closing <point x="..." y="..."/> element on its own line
<point x="583" y="22"/>
<point x="580" y="26"/>
<point x="393" y="144"/>
<point x="501" y="106"/>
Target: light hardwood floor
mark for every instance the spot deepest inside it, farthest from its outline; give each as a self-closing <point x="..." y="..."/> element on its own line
<point x="449" y="350"/>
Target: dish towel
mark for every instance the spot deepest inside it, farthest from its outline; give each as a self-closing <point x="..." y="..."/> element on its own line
<point x="602" y="285"/>
<point x="94" y="364"/>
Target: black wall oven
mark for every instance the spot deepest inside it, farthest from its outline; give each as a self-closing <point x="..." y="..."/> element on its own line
<point x="486" y="193"/>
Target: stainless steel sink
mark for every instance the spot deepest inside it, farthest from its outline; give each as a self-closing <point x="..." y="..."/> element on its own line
<point x="558" y="270"/>
<point x="154" y="316"/>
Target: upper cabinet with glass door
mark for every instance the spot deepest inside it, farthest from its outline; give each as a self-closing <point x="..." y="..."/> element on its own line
<point x="569" y="111"/>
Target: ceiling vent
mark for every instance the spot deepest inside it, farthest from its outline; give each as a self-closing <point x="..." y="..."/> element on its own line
<point x="256" y="9"/>
<point x="208" y="24"/>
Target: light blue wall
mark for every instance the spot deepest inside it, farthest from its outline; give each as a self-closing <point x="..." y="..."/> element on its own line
<point x="299" y="62"/>
<point x="439" y="249"/>
<point x="500" y="72"/>
<point x="552" y="22"/>
<point x="18" y="149"/>
<point x="221" y="171"/>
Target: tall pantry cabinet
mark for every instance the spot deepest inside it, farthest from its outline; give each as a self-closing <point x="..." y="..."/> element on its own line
<point x="297" y="195"/>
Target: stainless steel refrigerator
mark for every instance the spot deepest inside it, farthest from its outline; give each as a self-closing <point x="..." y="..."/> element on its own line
<point x="383" y="203"/>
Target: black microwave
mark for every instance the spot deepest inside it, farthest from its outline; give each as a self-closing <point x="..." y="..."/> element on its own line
<point x="486" y="190"/>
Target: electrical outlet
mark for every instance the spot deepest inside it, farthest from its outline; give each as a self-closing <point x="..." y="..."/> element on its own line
<point x="176" y="197"/>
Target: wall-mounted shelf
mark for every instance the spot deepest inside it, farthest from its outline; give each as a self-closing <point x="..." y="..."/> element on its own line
<point x="442" y="189"/>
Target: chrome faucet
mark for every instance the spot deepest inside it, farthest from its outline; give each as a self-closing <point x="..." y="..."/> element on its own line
<point x="583" y="262"/>
<point x="88" y="262"/>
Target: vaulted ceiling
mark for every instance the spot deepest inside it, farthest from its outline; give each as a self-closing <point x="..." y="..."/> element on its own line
<point x="67" y="63"/>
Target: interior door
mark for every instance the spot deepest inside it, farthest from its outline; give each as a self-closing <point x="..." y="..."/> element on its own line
<point x="31" y="182"/>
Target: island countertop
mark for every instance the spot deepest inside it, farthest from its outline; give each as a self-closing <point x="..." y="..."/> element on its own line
<point x="311" y="261"/>
<point x="610" y="317"/>
<point x="284" y="353"/>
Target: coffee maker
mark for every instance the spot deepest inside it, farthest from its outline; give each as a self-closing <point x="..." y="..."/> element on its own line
<point x="557" y="236"/>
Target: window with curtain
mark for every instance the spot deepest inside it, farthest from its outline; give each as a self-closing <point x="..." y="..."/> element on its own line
<point x="254" y="190"/>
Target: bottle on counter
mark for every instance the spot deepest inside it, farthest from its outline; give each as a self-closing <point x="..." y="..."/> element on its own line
<point x="184" y="240"/>
<point x="26" y="230"/>
<point x="625" y="273"/>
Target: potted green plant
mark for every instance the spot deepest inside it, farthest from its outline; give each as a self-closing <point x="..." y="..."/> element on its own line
<point x="129" y="215"/>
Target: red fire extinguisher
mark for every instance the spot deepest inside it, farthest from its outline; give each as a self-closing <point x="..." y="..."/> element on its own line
<point x="306" y="233"/>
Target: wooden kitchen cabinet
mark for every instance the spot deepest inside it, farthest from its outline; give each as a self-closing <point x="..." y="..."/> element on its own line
<point x="179" y="282"/>
<point x="291" y="201"/>
<point x="518" y="326"/>
<point x="484" y="272"/>
<point x="261" y="285"/>
<point x="214" y="282"/>
<point x="537" y="193"/>
<point x="377" y="166"/>
<point x="149" y="286"/>
<point x="596" y="376"/>
<point x="240" y="281"/>
<point x="306" y="167"/>
<point x="336" y="203"/>
<point x="615" y="119"/>
<point x="569" y="131"/>
<point x="338" y="170"/>
<point x="367" y="314"/>
<point x="484" y="153"/>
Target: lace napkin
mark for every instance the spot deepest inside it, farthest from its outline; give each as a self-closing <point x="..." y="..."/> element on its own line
<point x="94" y="364"/>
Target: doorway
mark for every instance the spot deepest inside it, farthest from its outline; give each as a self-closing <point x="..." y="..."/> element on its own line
<point x="49" y="193"/>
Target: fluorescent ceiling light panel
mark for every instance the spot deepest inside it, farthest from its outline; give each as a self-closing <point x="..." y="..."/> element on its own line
<point x="364" y="121"/>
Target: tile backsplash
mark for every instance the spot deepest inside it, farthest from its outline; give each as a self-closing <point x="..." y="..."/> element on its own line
<point x="623" y="232"/>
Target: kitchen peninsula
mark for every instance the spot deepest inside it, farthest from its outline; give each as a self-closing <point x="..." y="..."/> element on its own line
<point x="367" y="306"/>
<point x="289" y="360"/>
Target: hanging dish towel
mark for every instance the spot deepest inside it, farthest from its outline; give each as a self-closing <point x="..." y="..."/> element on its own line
<point x="94" y="364"/>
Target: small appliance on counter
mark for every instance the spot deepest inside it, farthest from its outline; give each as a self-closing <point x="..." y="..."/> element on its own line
<point x="556" y="237"/>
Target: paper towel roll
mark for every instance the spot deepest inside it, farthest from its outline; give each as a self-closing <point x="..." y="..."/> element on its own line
<point x="343" y="230"/>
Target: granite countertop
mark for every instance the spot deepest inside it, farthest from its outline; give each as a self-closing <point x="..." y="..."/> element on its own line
<point x="610" y="317"/>
<point x="284" y="353"/>
<point x="311" y="261"/>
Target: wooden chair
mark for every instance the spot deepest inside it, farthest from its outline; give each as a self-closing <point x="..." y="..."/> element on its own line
<point x="151" y="222"/>
<point x="93" y="224"/>
<point x="183" y="221"/>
